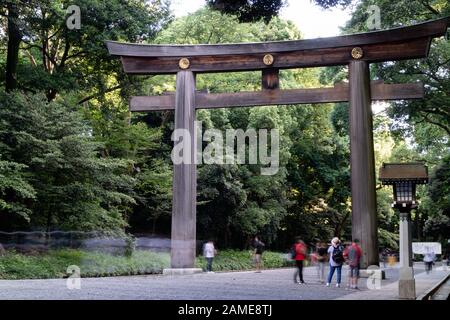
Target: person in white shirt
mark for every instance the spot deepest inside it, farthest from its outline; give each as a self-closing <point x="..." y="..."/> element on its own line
<point x="209" y="251"/>
<point x="429" y="258"/>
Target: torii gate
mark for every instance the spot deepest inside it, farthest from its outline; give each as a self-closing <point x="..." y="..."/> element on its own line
<point x="357" y="51"/>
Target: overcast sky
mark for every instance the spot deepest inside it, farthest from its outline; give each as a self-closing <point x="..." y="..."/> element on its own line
<point x="311" y="20"/>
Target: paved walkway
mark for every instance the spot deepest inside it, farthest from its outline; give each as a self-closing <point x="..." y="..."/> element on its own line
<point x="268" y="285"/>
<point x="389" y="291"/>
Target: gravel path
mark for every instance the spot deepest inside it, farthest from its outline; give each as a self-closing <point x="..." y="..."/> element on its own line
<point x="268" y="285"/>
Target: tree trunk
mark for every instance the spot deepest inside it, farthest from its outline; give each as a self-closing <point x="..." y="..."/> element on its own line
<point x="14" y="39"/>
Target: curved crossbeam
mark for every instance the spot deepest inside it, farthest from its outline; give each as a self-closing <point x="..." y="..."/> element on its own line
<point x="393" y="44"/>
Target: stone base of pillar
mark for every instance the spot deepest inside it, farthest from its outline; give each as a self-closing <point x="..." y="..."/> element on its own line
<point x="181" y="271"/>
<point x="407" y="284"/>
<point x="407" y="289"/>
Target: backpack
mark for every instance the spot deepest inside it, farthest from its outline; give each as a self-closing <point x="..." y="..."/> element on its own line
<point x="338" y="255"/>
<point x="292" y="253"/>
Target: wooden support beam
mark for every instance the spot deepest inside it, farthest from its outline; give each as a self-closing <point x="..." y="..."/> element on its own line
<point x="183" y="247"/>
<point x="270" y="79"/>
<point x="432" y="28"/>
<point x="362" y="163"/>
<point x="339" y="93"/>
<point x="417" y="48"/>
<point x="385" y="45"/>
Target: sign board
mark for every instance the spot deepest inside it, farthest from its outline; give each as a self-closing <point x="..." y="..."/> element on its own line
<point x="424" y="247"/>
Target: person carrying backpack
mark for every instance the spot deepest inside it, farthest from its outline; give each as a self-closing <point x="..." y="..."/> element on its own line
<point x="353" y="255"/>
<point x="336" y="253"/>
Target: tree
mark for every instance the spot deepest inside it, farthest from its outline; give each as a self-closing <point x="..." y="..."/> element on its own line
<point x="437" y="227"/>
<point x="51" y="57"/>
<point x="15" y="192"/>
<point x="14" y="39"/>
<point x="248" y="11"/>
<point x="433" y="72"/>
<point x="327" y="4"/>
<point x="73" y="188"/>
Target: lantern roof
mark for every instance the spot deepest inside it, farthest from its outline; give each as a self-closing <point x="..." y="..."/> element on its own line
<point x="391" y="173"/>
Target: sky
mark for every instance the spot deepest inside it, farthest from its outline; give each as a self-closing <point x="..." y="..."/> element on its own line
<point x="311" y="20"/>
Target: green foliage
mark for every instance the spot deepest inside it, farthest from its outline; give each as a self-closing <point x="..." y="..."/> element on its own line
<point x="438" y="202"/>
<point x="332" y="3"/>
<point x="74" y="187"/>
<point x="14" y="189"/>
<point x="248" y="11"/>
<point x="53" y="264"/>
<point x="387" y="239"/>
<point x="55" y="59"/>
<point x="234" y="260"/>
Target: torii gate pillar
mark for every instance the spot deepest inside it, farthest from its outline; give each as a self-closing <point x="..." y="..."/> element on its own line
<point x="184" y="216"/>
<point x="362" y="161"/>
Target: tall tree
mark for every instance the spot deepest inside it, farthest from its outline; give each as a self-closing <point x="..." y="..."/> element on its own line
<point x="63" y="58"/>
<point x="248" y="10"/>
<point x="14" y="40"/>
<point x="73" y="188"/>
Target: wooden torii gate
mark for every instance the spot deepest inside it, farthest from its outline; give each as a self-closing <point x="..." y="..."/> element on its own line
<point x="357" y="51"/>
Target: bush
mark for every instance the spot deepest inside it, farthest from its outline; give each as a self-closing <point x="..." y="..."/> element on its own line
<point x="229" y="260"/>
<point x="54" y="263"/>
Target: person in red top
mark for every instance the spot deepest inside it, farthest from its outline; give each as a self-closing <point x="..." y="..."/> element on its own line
<point x="353" y="255"/>
<point x="300" y="255"/>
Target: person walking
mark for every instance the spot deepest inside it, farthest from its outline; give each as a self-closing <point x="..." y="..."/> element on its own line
<point x="209" y="252"/>
<point x="321" y="256"/>
<point x="429" y="258"/>
<point x="258" y="251"/>
<point x="354" y="254"/>
<point x="336" y="253"/>
<point x="300" y="255"/>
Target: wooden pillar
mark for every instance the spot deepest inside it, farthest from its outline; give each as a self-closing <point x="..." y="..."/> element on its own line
<point x="270" y="79"/>
<point x="364" y="206"/>
<point x="183" y="247"/>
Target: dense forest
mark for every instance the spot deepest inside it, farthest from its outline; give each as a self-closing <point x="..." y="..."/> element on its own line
<point x="73" y="158"/>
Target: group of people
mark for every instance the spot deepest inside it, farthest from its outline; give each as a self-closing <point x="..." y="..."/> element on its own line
<point x="209" y="252"/>
<point x="336" y="255"/>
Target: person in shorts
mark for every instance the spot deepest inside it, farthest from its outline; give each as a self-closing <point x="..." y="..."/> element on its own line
<point x="353" y="255"/>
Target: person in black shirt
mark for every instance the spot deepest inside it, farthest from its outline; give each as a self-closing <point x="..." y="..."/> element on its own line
<point x="321" y="255"/>
<point x="258" y="251"/>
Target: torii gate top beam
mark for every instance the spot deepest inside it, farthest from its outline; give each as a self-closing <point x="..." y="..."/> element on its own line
<point x="387" y="45"/>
